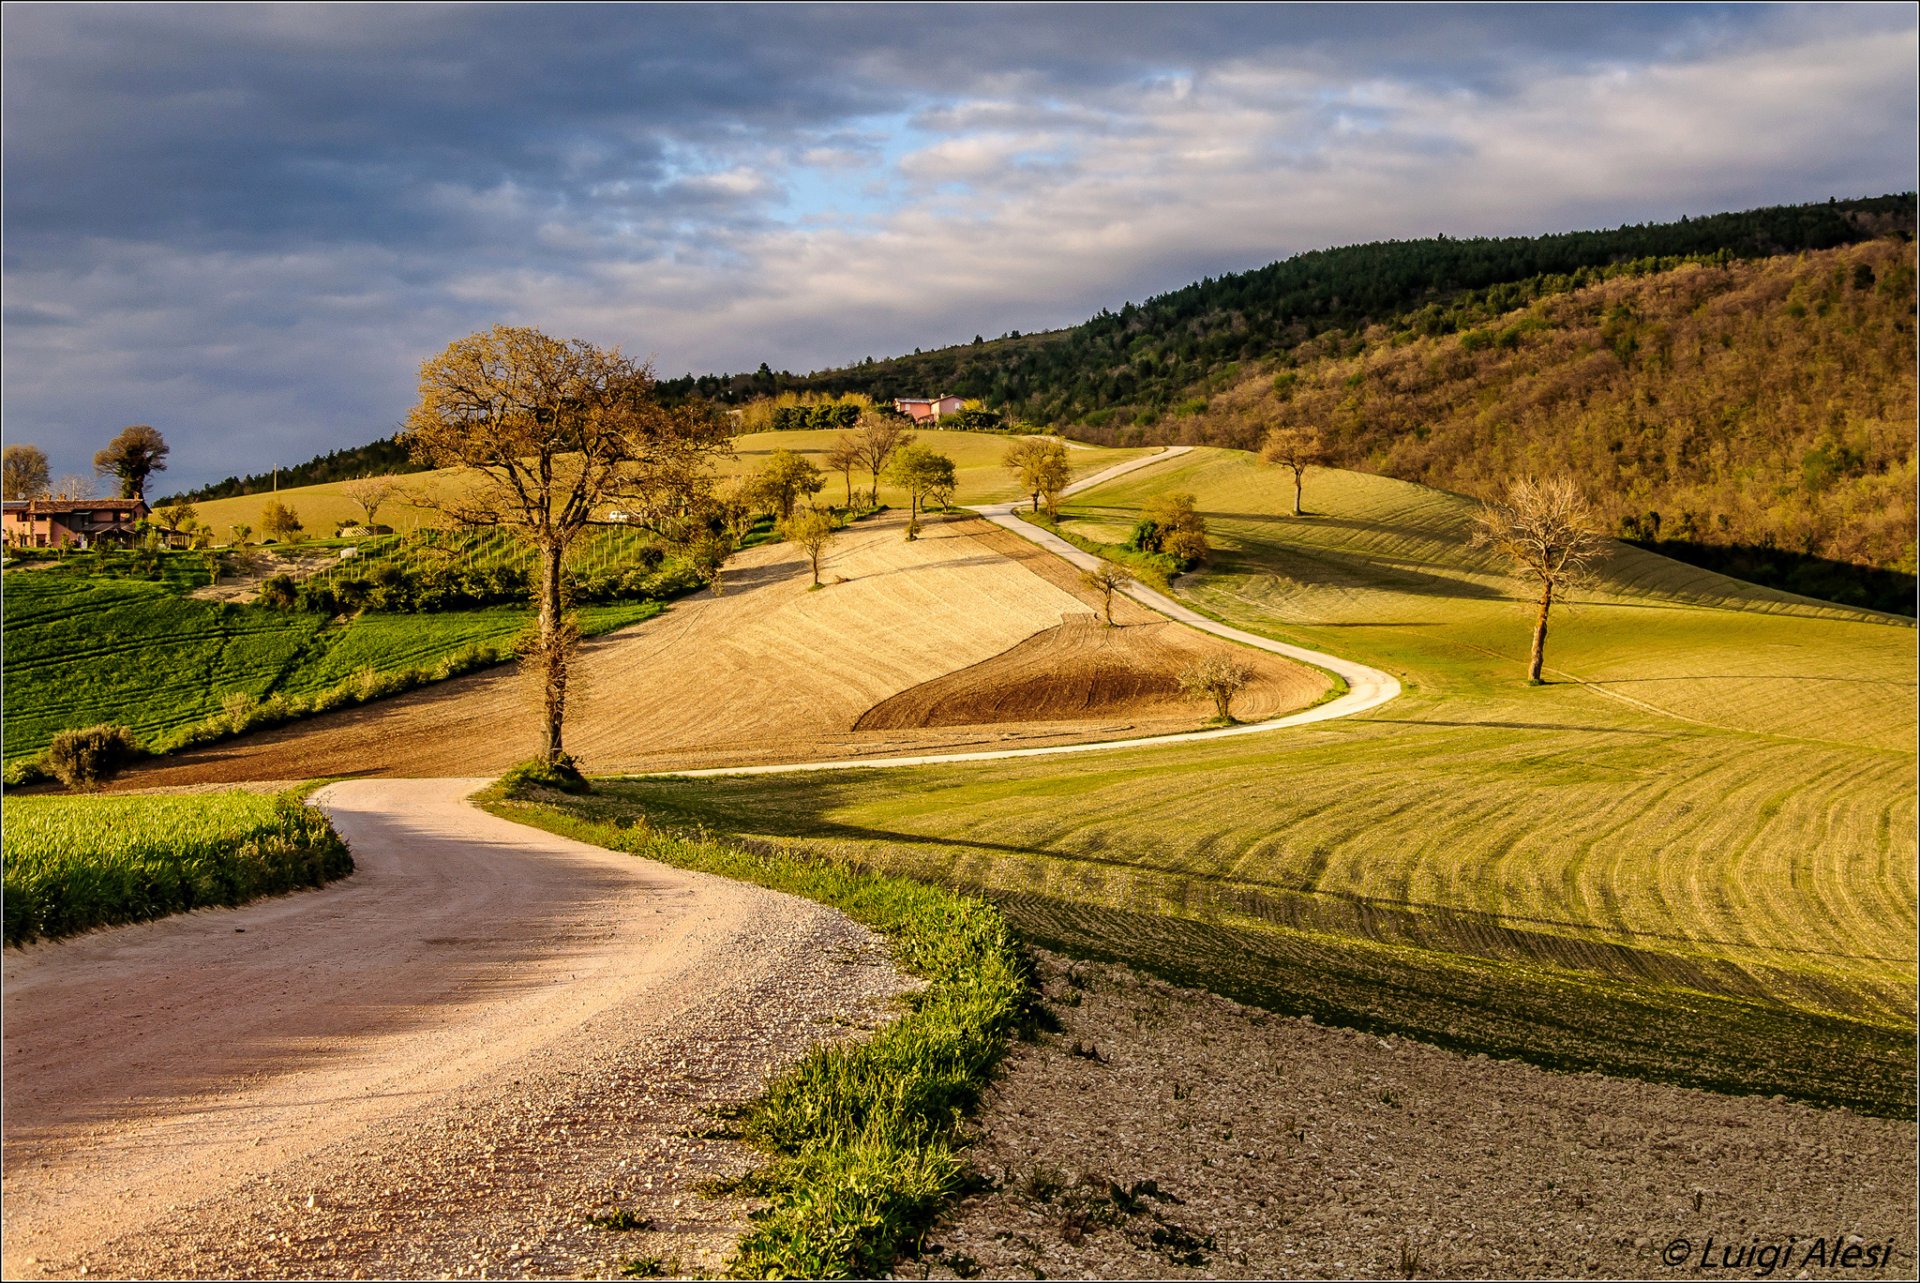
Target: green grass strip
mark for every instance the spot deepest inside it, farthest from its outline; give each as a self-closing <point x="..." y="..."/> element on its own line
<point x="74" y="863"/>
<point x="864" y="1137"/>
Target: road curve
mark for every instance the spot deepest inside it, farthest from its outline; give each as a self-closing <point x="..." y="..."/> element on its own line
<point x="333" y="1082"/>
<point x="1367" y="687"/>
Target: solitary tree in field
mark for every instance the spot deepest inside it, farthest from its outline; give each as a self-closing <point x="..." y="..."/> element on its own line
<point x="133" y="455"/>
<point x="843" y="456"/>
<point x="1041" y="465"/>
<point x="1106" y="579"/>
<point x="879" y="437"/>
<point x="1170" y="523"/>
<point x="24" y="470"/>
<point x="370" y="494"/>
<point x="810" y="530"/>
<point x="1218" y="678"/>
<point x="784" y="479"/>
<point x="1551" y="535"/>
<point x="922" y="472"/>
<point x="551" y="431"/>
<point x="278" y="521"/>
<point x="1294" y="448"/>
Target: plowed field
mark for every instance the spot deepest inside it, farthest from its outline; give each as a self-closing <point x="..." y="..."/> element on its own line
<point x="772" y="671"/>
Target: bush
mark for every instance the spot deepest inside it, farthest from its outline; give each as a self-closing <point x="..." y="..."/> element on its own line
<point x="561" y="776"/>
<point x="1171" y="525"/>
<point x="279" y="592"/>
<point x="85" y="759"/>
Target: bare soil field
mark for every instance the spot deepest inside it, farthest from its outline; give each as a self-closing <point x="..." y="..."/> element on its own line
<point x="771" y="671"/>
<point x="1081" y="669"/>
<point x="1170" y="1133"/>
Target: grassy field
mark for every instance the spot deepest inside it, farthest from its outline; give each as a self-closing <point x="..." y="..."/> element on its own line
<point x="1688" y="857"/>
<point x="976" y="455"/>
<point x="73" y="863"/>
<point x="81" y="650"/>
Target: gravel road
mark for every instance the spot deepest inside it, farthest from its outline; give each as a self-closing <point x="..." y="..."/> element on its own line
<point x="433" y="1068"/>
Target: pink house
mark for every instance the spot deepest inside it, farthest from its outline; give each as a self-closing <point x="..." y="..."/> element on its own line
<point x="927" y="409"/>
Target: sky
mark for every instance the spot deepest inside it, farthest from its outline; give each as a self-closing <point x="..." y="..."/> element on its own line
<point x="249" y="225"/>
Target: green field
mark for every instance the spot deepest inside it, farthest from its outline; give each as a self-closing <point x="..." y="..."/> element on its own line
<point x="976" y="456"/>
<point x="1688" y="857"/>
<point x="81" y="650"/>
<point x="73" y="863"/>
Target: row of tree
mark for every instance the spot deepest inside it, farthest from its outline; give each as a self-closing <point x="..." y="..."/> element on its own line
<point x="135" y="453"/>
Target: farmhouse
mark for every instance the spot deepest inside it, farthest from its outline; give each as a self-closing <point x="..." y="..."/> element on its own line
<point x="77" y="523"/>
<point x="927" y="409"/>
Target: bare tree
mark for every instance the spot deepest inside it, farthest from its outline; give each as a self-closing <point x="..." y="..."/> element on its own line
<point x="553" y="430"/>
<point x="1294" y="448"/>
<point x="843" y="456"/>
<point x="1218" y="678"/>
<point x="134" y="454"/>
<point x="879" y="436"/>
<point x="370" y="494"/>
<point x="810" y="530"/>
<point x="24" y="468"/>
<point x="1042" y="467"/>
<point x="74" y="485"/>
<point x="1106" y="579"/>
<point x="1551" y="534"/>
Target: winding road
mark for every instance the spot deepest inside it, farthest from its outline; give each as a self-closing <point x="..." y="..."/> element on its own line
<point x="1367" y="687"/>
<point x="433" y="1067"/>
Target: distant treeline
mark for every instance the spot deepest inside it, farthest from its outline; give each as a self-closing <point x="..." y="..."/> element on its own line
<point x="1146" y="360"/>
<point x="383" y="456"/>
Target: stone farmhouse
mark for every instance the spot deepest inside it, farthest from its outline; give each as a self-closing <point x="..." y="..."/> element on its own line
<point x="71" y="523"/>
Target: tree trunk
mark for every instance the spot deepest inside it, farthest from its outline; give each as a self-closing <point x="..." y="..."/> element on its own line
<point x="874" y="499"/>
<point x="1296" y="492"/>
<point x="848" y="474"/>
<point x="553" y="657"/>
<point x="1036" y="501"/>
<point x="1540" y="635"/>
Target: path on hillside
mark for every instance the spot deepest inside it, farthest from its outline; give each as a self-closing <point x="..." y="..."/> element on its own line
<point x="434" y="1067"/>
<point x="1367" y="687"/>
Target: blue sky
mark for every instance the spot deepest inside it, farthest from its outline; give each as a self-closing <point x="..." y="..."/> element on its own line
<point x="248" y="225"/>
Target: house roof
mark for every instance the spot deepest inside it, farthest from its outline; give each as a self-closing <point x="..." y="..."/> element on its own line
<point x="39" y="507"/>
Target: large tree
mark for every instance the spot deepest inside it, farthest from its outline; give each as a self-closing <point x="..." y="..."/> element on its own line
<point x="1296" y="449"/>
<point x="24" y="470"/>
<point x="553" y="431"/>
<point x="1041" y="465"/>
<point x="136" y="453"/>
<point x="1551" y="536"/>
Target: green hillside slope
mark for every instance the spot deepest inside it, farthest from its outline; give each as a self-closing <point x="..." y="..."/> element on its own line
<point x="1689" y="857"/>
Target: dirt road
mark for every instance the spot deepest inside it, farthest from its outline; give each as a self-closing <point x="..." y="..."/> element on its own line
<point x="432" y="1068"/>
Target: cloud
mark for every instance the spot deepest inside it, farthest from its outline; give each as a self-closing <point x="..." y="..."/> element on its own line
<point x="249" y="224"/>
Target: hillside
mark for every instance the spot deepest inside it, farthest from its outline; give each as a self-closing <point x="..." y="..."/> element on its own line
<point x="1688" y="857"/>
<point x="1763" y="409"/>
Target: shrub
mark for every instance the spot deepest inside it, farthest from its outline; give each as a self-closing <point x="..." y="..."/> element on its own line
<point x="561" y="776"/>
<point x="85" y="759"/>
<point x="279" y="592"/>
<point x="1170" y="524"/>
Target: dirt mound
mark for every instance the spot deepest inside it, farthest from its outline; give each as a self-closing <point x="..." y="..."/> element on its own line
<point x="1081" y="670"/>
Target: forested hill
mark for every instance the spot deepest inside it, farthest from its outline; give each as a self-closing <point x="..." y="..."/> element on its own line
<point x="382" y="456"/>
<point x="1138" y="364"/>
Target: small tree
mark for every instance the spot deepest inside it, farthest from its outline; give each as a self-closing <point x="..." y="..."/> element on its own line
<point x="921" y="472"/>
<point x="1042" y="467"/>
<point x="74" y="486"/>
<point x="241" y="533"/>
<point x="843" y="456"/>
<point x="1106" y="579"/>
<point x="784" y="479"/>
<point x="880" y="435"/>
<point x="279" y="521"/>
<point x="370" y="494"/>
<point x="1297" y="449"/>
<point x="177" y="517"/>
<point x="86" y="759"/>
<point x="1218" y="678"/>
<point x="1551" y="535"/>
<point x="133" y="455"/>
<point x="23" y="471"/>
<point x="809" y="530"/>
<point x="1170" y="524"/>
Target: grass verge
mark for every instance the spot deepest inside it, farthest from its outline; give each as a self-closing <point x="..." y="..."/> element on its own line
<point x="74" y="863"/>
<point x="864" y="1138"/>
